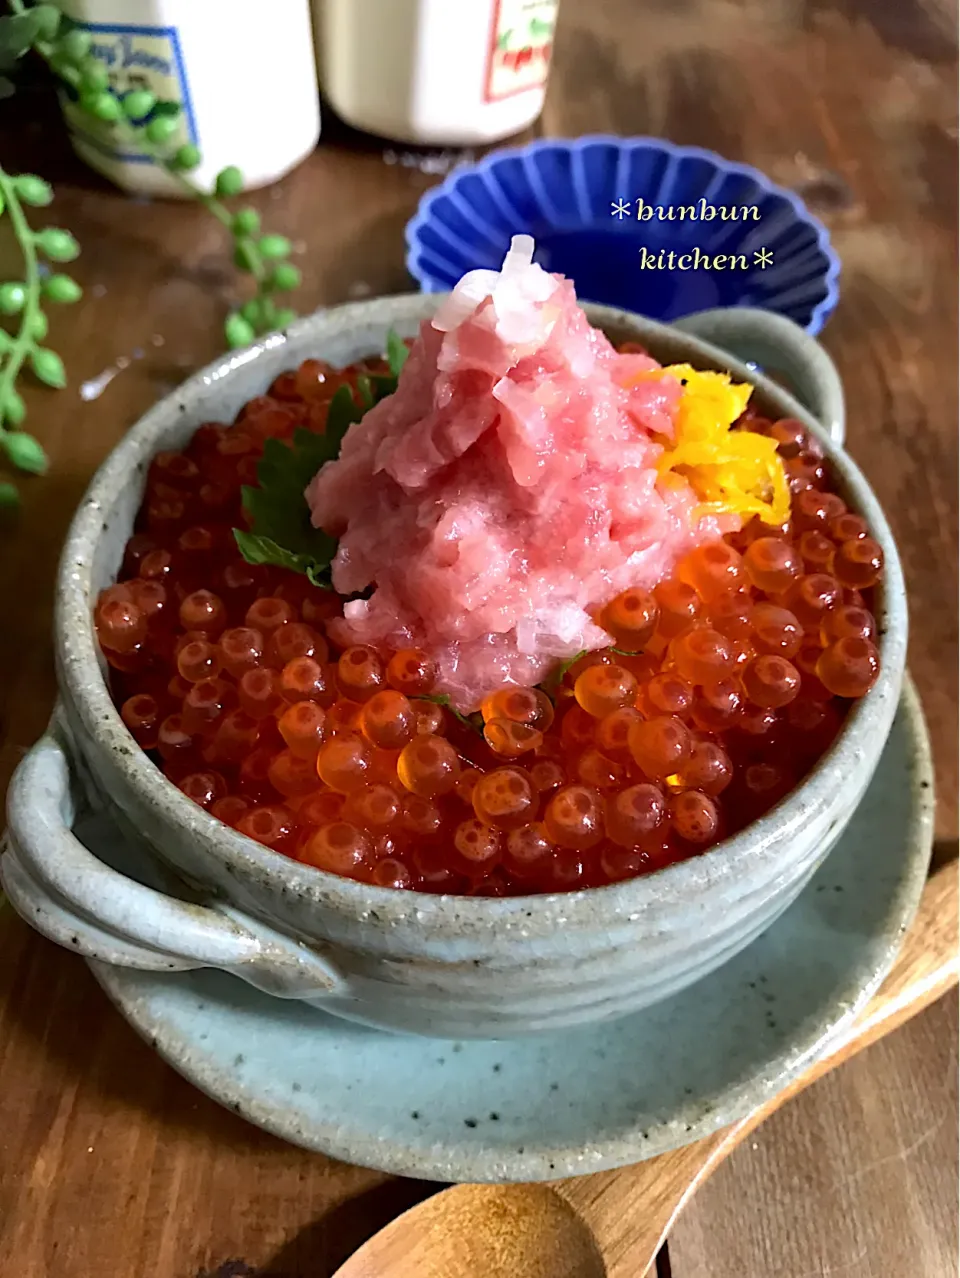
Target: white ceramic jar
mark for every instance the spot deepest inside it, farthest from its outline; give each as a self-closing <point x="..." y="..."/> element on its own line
<point x="436" y="72"/>
<point x="243" y="71"/>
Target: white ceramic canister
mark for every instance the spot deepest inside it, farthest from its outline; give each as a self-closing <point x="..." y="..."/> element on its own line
<point x="243" y="71"/>
<point x="436" y="72"/>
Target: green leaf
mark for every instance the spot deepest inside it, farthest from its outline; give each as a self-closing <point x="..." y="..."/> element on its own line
<point x="18" y="32"/>
<point x="24" y="452"/>
<point x="7" y="90"/>
<point x="102" y="106"/>
<point x="252" y="311"/>
<point x="257" y="549"/>
<point x="37" y="326"/>
<point x="94" y="78"/>
<point x="186" y="158"/>
<point x="245" y="255"/>
<point x="267" y="315"/>
<point x="504" y="41"/>
<point x="13" y="409"/>
<point x="138" y="104"/>
<point x="285" y="315"/>
<point x="49" y="17"/>
<point x="66" y="69"/>
<point x="383" y="384"/>
<point x="75" y="44"/>
<point x="229" y="181"/>
<point x="365" y="389"/>
<point x="397" y="353"/>
<point x="284" y="276"/>
<point x="246" y="222"/>
<point x="281" y="531"/>
<point x="61" y="288"/>
<point x="13" y="295"/>
<point x="473" y="721"/>
<point x="161" y="129"/>
<point x="48" y="367"/>
<point x="57" y="244"/>
<point x="343" y="412"/>
<point x="167" y="108"/>
<point x="9" y="497"/>
<point x="238" y="331"/>
<point x="320" y="578"/>
<point x="557" y="676"/>
<point x="275" y="246"/>
<point x="33" y="190"/>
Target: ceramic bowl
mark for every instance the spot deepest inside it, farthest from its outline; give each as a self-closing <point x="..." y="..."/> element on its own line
<point x="433" y="965"/>
<point x="601" y="209"/>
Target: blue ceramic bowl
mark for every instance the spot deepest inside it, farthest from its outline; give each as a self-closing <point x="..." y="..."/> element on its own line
<point x="600" y="211"/>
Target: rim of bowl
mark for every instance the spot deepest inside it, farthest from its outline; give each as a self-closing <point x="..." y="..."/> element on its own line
<point x="447" y="914"/>
<point x="831" y="276"/>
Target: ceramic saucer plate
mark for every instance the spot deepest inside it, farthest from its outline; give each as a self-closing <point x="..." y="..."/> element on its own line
<point x="581" y="1100"/>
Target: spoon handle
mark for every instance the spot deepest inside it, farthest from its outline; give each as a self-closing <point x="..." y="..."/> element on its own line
<point x="630" y="1211"/>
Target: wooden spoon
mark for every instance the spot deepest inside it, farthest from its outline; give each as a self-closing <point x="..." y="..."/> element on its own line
<point x="612" y="1224"/>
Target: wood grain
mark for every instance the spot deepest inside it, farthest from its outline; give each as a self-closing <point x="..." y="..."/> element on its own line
<point x="629" y="1213"/>
<point x="882" y="1130"/>
<point x="620" y="1218"/>
<point x="109" y="1163"/>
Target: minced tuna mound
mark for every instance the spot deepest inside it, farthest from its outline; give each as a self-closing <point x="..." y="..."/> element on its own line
<point x="508" y="488"/>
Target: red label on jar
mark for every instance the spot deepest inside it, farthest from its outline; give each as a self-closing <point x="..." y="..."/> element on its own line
<point x="521" y="41"/>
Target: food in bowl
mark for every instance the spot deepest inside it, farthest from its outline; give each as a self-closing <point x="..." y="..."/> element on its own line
<point x="544" y="616"/>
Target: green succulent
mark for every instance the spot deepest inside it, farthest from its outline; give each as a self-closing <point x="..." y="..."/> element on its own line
<point x="150" y="125"/>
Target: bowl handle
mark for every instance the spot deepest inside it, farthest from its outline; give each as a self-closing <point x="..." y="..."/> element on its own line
<point x="776" y="343"/>
<point x="65" y="892"/>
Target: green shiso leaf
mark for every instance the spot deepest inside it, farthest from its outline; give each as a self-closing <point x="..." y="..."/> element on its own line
<point x="281" y="532"/>
<point x="397" y="353"/>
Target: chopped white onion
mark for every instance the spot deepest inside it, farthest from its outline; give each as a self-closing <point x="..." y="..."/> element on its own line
<point x="518" y="291"/>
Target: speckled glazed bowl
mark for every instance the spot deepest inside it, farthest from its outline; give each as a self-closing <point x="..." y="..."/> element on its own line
<point x="433" y="965"/>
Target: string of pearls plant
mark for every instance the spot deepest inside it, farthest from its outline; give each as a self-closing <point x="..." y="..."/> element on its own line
<point x="151" y="125"/>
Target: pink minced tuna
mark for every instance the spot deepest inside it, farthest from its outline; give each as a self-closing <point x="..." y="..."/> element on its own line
<point x="507" y="489"/>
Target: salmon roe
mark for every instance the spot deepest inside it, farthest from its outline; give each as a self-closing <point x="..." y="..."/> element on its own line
<point x="719" y="691"/>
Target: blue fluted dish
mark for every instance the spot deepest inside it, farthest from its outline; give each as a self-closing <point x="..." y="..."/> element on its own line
<point x="564" y="192"/>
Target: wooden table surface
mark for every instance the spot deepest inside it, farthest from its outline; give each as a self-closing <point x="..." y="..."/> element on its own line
<point x="110" y="1164"/>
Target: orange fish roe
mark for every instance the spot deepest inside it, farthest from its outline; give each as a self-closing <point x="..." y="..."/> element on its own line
<point x="719" y="691"/>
